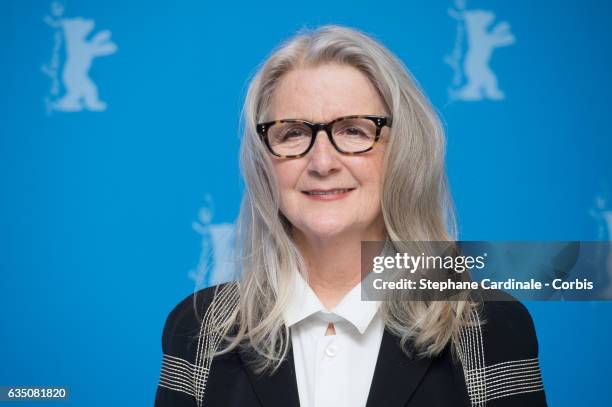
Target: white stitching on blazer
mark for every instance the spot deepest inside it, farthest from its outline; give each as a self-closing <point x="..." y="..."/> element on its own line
<point x="180" y="375"/>
<point x="486" y="383"/>
<point x="221" y="307"/>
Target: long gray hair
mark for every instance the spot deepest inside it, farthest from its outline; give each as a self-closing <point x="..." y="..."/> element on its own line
<point x="415" y="200"/>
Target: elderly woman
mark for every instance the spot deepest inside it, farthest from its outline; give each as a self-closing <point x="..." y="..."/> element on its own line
<point x="340" y="146"/>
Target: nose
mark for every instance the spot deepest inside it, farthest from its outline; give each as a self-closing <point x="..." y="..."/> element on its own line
<point x="323" y="157"/>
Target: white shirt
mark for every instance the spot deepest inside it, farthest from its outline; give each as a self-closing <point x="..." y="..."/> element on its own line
<point x="334" y="370"/>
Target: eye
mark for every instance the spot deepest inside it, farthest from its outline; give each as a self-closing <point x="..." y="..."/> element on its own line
<point x="289" y="133"/>
<point x="354" y="132"/>
<point x="292" y="134"/>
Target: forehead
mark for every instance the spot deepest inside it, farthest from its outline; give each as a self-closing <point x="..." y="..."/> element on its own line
<point x="323" y="93"/>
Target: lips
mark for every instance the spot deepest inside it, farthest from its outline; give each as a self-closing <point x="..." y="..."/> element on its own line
<point x="326" y="192"/>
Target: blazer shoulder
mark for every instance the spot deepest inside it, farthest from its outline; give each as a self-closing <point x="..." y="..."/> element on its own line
<point x="181" y="380"/>
<point x="499" y="353"/>
<point x="508" y="330"/>
<point x="183" y="323"/>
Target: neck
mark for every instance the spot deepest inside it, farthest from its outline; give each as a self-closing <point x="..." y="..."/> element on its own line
<point x="334" y="263"/>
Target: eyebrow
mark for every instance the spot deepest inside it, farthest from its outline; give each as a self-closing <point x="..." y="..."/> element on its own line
<point x="325" y="121"/>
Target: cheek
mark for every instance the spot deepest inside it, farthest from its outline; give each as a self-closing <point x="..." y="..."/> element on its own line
<point x="369" y="173"/>
<point x="287" y="174"/>
<point x="370" y="178"/>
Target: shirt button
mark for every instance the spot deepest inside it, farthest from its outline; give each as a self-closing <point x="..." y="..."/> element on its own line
<point x="331" y="351"/>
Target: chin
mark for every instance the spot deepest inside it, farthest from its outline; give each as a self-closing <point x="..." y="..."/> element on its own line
<point x="329" y="227"/>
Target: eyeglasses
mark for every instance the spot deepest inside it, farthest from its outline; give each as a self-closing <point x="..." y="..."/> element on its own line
<point x="293" y="138"/>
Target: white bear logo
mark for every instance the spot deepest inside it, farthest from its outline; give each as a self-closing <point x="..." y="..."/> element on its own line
<point x="474" y="79"/>
<point x="217" y="261"/>
<point x="80" y="90"/>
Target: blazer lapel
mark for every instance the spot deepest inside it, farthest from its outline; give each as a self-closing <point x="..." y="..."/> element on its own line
<point x="280" y="389"/>
<point x="396" y="376"/>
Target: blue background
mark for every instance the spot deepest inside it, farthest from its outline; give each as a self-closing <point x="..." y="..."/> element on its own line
<point x="96" y="208"/>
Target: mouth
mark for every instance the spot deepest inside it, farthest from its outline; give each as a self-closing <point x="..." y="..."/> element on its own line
<point x="327" y="194"/>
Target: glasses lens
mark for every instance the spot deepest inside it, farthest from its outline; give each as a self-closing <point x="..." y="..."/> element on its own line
<point x="289" y="138"/>
<point x="354" y="135"/>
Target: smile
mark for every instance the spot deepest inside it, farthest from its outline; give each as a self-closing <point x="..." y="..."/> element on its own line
<point x="328" y="194"/>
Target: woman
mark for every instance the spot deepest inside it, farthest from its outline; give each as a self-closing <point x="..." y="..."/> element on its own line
<point x="340" y="147"/>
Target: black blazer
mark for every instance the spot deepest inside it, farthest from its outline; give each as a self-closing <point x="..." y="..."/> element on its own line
<point x="497" y="366"/>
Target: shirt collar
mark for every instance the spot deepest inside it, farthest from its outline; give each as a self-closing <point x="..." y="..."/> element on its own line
<point x="304" y="302"/>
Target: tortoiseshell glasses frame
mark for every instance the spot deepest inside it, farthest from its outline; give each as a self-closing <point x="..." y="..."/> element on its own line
<point x="315" y="128"/>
